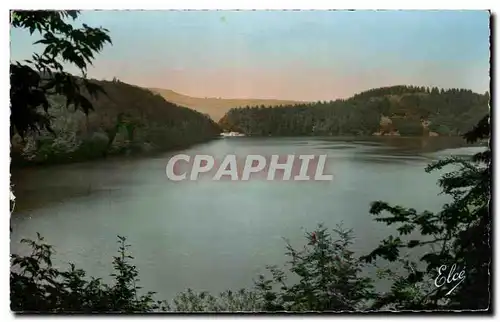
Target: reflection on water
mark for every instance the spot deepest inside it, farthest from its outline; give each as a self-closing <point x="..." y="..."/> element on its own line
<point x="219" y="235"/>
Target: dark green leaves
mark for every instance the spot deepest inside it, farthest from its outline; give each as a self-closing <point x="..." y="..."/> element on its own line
<point x="457" y="234"/>
<point x="44" y="75"/>
<point x="325" y="273"/>
<point x="413" y="243"/>
<point x="406" y="229"/>
<point x="36" y="286"/>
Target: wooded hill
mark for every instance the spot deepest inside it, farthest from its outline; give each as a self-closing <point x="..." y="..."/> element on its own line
<point x="397" y="110"/>
<point x="127" y="119"/>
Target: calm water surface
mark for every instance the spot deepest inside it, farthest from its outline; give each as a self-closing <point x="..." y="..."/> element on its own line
<point x="214" y="236"/>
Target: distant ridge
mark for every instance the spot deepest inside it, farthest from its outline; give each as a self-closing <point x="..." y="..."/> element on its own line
<point x="400" y="110"/>
<point x="216" y="108"/>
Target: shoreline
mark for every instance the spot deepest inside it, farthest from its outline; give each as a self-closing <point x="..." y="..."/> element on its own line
<point x="17" y="163"/>
<point x="20" y="164"/>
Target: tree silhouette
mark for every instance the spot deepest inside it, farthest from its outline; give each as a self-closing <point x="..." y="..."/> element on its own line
<point x="32" y="81"/>
<point x="460" y="234"/>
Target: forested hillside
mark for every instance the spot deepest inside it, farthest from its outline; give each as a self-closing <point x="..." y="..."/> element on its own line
<point x="127" y="119"/>
<point x="396" y="110"/>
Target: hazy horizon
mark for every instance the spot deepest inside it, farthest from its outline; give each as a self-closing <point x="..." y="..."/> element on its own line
<point x="288" y="55"/>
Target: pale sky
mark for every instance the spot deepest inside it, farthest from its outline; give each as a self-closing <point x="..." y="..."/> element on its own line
<point x="308" y="55"/>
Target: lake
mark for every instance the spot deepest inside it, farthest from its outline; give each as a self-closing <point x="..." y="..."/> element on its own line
<point x="217" y="235"/>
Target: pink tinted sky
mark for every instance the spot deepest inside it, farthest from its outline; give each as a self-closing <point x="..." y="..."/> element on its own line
<point x="296" y="83"/>
<point x="288" y="55"/>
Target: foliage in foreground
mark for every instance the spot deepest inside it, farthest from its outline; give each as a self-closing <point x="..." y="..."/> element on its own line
<point x="327" y="271"/>
<point x="458" y="235"/>
<point x="38" y="286"/>
<point x="33" y="81"/>
<point x="328" y="274"/>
